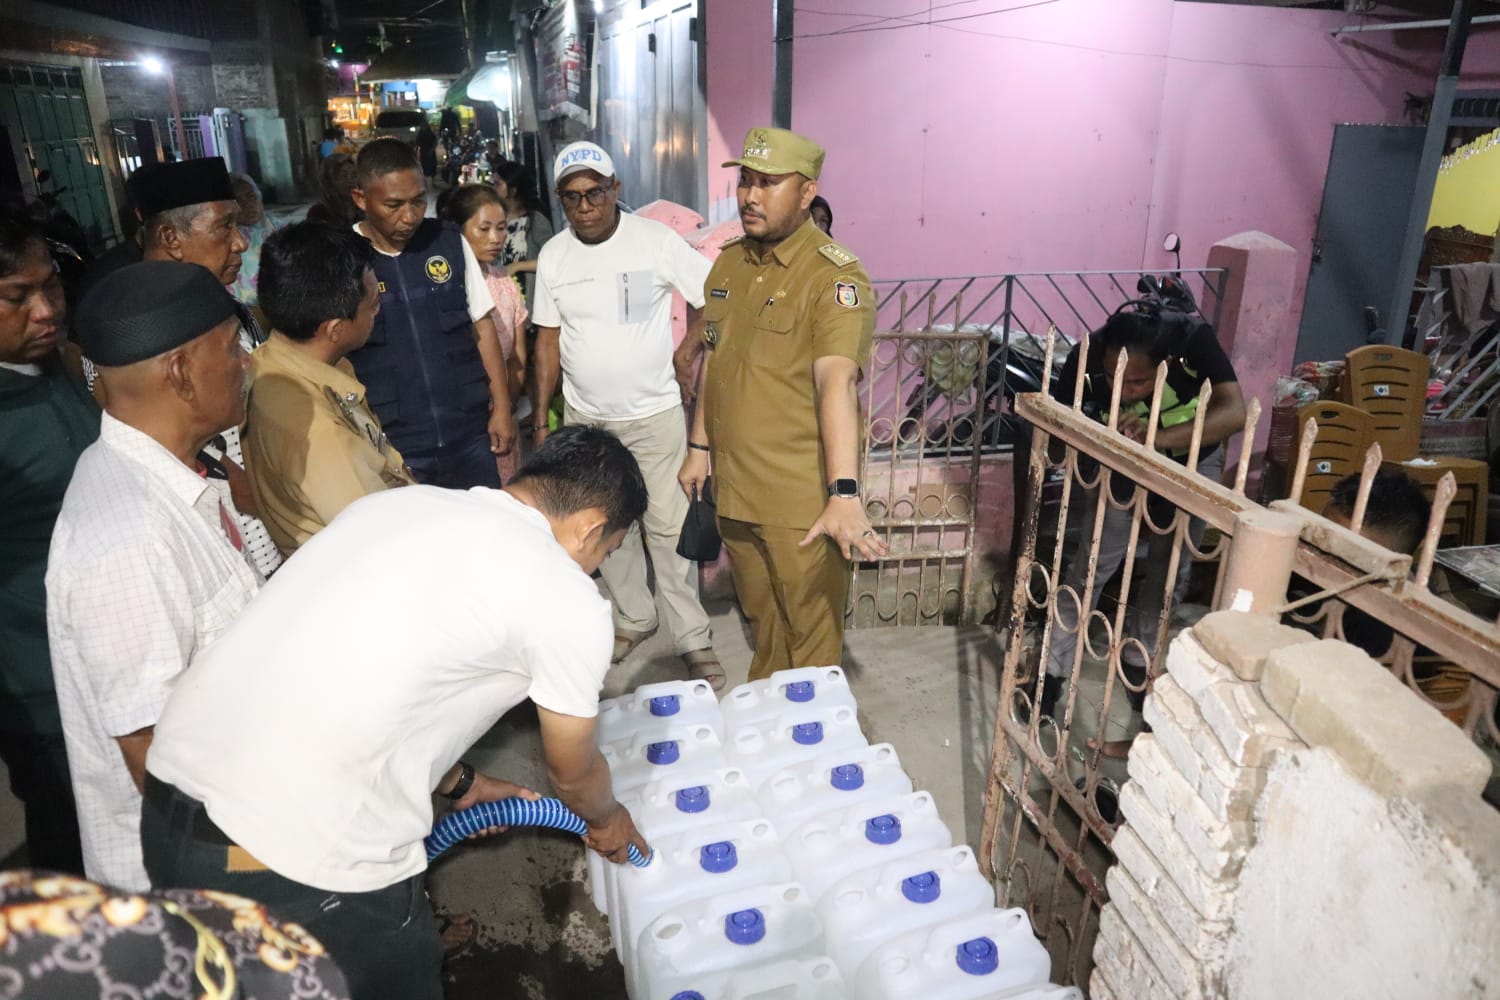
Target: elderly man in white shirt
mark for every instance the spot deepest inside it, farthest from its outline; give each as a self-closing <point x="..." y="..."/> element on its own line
<point x="148" y="564"/>
<point x="604" y="315"/>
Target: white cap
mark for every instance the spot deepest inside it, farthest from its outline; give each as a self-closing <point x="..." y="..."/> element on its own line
<point x="578" y="156"/>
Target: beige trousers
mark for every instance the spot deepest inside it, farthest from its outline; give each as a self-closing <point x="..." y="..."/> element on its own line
<point x="659" y="444"/>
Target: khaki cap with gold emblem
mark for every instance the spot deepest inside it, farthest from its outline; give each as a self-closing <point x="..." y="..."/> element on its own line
<point x="780" y="151"/>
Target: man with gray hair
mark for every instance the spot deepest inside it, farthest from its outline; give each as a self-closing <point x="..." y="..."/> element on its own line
<point x="604" y="315"/>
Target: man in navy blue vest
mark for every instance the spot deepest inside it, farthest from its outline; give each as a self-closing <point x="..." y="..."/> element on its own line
<point x="432" y="368"/>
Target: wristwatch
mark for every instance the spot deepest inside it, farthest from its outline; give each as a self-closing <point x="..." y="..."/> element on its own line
<point x="463" y="784"/>
<point x="844" y="489"/>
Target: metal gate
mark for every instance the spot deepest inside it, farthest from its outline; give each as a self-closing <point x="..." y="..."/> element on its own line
<point x="948" y="356"/>
<point x="47" y="108"/>
<point x="1052" y="793"/>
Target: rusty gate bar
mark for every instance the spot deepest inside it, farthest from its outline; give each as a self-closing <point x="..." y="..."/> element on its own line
<point x="1050" y="794"/>
<point x="924" y="398"/>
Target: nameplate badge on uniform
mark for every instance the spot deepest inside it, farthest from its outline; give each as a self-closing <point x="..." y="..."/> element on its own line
<point x="846" y="294"/>
<point x="438" y="268"/>
<point x="837" y="254"/>
<point x="719" y="293"/>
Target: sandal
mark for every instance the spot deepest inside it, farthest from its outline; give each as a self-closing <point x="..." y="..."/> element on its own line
<point x="625" y="643"/>
<point x="457" y="931"/>
<point x="703" y="665"/>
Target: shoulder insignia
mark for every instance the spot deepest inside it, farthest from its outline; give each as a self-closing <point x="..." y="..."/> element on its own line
<point x="837" y="254"/>
<point x="729" y="243"/>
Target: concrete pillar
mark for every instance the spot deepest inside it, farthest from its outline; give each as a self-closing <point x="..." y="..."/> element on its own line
<point x="1256" y="325"/>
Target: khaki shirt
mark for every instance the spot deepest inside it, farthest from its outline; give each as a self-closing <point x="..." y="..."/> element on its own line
<point x="311" y="444"/>
<point x="767" y="318"/>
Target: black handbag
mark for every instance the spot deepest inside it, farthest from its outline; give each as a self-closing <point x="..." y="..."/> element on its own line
<point x="700" y="540"/>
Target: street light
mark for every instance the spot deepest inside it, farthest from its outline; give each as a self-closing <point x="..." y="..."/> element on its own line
<point x="159" y="67"/>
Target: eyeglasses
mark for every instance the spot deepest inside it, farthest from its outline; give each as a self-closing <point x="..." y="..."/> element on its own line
<point x="596" y="196"/>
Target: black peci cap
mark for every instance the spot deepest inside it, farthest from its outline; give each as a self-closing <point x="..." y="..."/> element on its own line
<point x="147" y="309"/>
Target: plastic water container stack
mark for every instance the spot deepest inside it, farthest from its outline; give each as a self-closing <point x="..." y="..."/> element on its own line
<point x="793" y="858"/>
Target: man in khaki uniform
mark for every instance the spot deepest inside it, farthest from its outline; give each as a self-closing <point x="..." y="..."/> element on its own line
<point x="787" y="322"/>
<point x="312" y="445"/>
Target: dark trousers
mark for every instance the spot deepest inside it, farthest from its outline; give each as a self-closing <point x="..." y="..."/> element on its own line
<point x="458" y="466"/>
<point x="385" y="941"/>
<point x="38" y="765"/>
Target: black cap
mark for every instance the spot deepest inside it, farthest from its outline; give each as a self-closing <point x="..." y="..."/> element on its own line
<point x="161" y="187"/>
<point x="146" y="309"/>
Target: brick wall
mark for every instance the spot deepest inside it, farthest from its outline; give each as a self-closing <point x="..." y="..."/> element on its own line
<point x="1297" y="817"/>
<point x="130" y="91"/>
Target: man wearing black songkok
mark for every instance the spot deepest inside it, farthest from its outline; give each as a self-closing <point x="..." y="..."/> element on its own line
<point x="147" y="564"/>
<point x="190" y="215"/>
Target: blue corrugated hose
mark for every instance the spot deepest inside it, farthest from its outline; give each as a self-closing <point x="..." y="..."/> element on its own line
<point x="510" y="812"/>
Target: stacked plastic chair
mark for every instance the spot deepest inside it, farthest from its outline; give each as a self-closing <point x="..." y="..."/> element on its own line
<point x="793" y="858"/>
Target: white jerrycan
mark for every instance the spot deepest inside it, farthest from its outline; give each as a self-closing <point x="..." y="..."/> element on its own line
<point x="744" y="929"/>
<point x="646" y="756"/>
<point x="833" y="846"/>
<point x="655" y="707"/>
<point x="992" y="953"/>
<point x="696" y="863"/>
<point x="830" y="781"/>
<point x="760" y="700"/>
<point x="678" y="801"/>
<point x="806" y="979"/>
<point x="798" y="733"/>
<point x="876" y="905"/>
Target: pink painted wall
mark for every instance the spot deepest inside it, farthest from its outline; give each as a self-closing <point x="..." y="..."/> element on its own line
<point x="1067" y="136"/>
<point x="739" y="49"/>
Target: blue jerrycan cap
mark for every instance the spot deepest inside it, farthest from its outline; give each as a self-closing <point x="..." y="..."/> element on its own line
<point x="978" y="957"/>
<point x="923" y="888"/>
<point x="883" y="829"/>
<point x="692" y="800"/>
<point x="847" y="777"/>
<point x="745" y="926"/>
<point x="718" y="858"/>
<point x="800" y="691"/>
<point x="807" y="733"/>
<point x="666" y="704"/>
<point x="687" y="995"/>
<point x="665" y="752"/>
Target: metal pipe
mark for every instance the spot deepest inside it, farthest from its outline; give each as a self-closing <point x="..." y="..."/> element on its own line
<point x="176" y="109"/>
<point x="781" y="72"/>
<point x="1441" y="22"/>
<point x="1399" y="310"/>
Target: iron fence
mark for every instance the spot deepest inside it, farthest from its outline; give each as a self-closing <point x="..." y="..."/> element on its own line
<point x="948" y="356"/>
<point x="1052" y="788"/>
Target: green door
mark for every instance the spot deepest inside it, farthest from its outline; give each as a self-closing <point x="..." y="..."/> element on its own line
<point x="45" y="105"/>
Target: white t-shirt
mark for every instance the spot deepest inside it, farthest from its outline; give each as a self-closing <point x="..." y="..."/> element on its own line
<point x="476" y="289"/>
<point x="613" y="303"/>
<point x="141" y="577"/>
<point x="316" y="729"/>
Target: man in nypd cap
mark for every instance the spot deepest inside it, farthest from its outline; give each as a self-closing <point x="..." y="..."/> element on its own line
<point x="147" y="564"/>
<point x="788" y="320"/>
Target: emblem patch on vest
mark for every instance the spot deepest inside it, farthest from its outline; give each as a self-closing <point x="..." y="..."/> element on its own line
<point x="846" y="294"/>
<point x="438" y="268"/>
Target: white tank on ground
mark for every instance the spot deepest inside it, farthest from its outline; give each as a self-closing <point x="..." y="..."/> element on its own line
<point x="760" y="700"/>
<point x="798" y="733"/>
<point x="835" y="845"/>
<point x="653" y="708"/>
<point x="697" y="863"/>
<point x="647" y="756"/>
<point x="831" y="781"/>
<point x="744" y="929"/>
<point x="680" y="801"/>
<point x="977" y="956"/>
<point x="807" y="979"/>
<point x="877" y="905"/>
